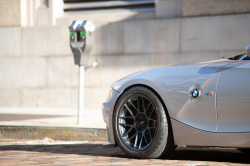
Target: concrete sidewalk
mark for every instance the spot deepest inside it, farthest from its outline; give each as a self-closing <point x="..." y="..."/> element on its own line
<point x="55" y="117"/>
<point x="55" y="123"/>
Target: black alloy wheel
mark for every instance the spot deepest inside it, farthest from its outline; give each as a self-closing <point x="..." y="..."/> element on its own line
<point x="141" y="126"/>
<point x="137" y="122"/>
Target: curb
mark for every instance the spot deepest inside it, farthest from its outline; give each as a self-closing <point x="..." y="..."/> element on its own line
<point x="56" y="133"/>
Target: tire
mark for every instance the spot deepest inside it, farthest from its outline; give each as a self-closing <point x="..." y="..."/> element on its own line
<point x="244" y="150"/>
<point x="142" y="128"/>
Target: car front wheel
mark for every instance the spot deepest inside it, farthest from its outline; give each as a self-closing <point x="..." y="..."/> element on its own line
<point x="142" y="128"/>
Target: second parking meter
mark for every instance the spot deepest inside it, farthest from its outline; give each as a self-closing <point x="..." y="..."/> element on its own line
<point x="81" y="42"/>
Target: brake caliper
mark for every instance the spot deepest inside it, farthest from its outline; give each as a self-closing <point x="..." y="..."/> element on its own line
<point x="154" y="125"/>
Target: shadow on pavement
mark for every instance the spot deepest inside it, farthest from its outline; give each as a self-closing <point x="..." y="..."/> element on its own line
<point x="79" y="149"/>
<point x="216" y="155"/>
<point x="205" y="154"/>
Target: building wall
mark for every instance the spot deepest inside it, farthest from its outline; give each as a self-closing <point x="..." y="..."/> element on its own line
<point x="214" y="7"/>
<point x="104" y="18"/>
<point x="10" y="13"/>
<point x="38" y="69"/>
<point x="164" y="9"/>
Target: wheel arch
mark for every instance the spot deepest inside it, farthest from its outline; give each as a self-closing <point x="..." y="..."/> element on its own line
<point x="159" y="97"/>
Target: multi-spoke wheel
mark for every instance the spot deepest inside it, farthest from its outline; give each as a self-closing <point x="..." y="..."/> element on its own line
<point x="137" y="122"/>
<point x="141" y="125"/>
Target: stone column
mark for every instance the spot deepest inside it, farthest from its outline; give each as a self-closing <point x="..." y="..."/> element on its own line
<point x="168" y="8"/>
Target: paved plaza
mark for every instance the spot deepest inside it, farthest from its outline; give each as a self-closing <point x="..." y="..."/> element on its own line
<point x="50" y="152"/>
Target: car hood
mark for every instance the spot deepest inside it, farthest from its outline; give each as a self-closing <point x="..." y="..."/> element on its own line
<point x="145" y="75"/>
<point x="206" y="63"/>
<point x="124" y="79"/>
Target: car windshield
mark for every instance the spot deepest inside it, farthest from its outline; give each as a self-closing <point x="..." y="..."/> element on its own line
<point x="247" y="58"/>
<point x="238" y="57"/>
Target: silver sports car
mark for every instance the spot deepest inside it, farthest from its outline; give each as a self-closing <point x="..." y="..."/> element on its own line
<point x="197" y="104"/>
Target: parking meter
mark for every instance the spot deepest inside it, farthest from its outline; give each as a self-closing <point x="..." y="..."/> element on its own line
<point x="81" y="41"/>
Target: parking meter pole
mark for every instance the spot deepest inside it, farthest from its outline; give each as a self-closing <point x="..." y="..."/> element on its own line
<point x="81" y="40"/>
<point x="81" y="95"/>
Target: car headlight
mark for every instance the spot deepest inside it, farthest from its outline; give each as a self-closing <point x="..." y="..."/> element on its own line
<point x="110" y="93"/>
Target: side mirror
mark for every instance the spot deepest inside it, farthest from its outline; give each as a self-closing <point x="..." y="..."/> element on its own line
<point x="248" y="51"/>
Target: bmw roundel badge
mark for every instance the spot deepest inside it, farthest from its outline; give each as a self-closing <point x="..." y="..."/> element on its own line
<point x="195" y="93"/>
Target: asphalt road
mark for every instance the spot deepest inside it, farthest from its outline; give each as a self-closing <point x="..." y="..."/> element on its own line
<point x="13" y="152"/>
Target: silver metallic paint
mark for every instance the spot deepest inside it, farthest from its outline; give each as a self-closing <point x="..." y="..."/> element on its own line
<point x="187" y="135"/>
<point x="173" y="85"/>
<point x="107" y="112"/>
<point x="233" y="97"/>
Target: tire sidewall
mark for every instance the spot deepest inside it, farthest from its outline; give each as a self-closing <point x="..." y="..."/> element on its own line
<point x="162" y="125"/>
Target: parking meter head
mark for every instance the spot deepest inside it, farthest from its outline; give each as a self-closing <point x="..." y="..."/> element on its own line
<point x="73" y="26"/>
<point x="87" y="26"/>
<point x="81" y="40"/>
<point x="86" y="29"/>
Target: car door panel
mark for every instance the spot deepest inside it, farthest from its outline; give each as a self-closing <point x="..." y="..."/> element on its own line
<point x="233" y="98"/>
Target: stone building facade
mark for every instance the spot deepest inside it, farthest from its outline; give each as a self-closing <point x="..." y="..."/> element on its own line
<point x="215" y="7"/>
<point x="36" y="63"/>
<point x="10" y="13"/>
